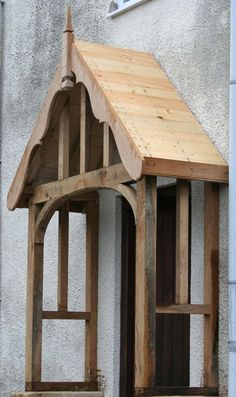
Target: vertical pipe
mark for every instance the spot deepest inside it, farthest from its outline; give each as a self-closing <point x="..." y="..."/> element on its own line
<point x="232" y="209"/>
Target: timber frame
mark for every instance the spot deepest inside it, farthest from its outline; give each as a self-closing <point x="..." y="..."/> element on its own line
<point x="81" y="143"/>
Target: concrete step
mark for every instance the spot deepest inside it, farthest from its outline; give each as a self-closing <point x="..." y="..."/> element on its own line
<point x="58" y="394"/>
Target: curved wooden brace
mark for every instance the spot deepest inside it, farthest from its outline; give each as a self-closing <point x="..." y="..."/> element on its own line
<point x="45" y="216"/>
<point x="52" y="205"/>
<point x="129" y="193"/>
<point x="39" y="132"/>
<point x="104" y="112"/>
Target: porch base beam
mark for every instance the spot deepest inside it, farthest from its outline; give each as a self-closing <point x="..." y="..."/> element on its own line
<point x="177" y="391"/>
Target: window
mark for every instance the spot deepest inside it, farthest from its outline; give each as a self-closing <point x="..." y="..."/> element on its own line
<point x="118" y="7"/>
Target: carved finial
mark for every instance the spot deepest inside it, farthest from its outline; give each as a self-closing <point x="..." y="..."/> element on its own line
<point x="68" y="22"/>
<point x="67" y="42"/>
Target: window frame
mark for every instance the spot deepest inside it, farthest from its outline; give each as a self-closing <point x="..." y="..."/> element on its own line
<point x="124" y="7"/>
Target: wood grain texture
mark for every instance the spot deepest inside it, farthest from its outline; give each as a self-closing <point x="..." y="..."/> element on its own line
<point x="152" y="126"/>
<point x="61" y="386"/>
<point x="145" y="102"/>
<point x="83" y="140"/>
<point x="65" y="315"/>
<point x="178" y="391"/>
<point x="184" y="309"/>
<point x="182" y="242"/>
<point x="63" y="145"/>
<point x="92" y="224"/>
<point x="211" y="282"/>
<point x="33" y="347"/>
<point x="63" y="254"/>
<point x="105" y="177"/>
<point x="145" y="304"/>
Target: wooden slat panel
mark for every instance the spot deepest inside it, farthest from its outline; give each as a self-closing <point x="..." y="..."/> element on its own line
<point x="61" y="386"/>
<point x="178" y="391"/>
<point x="91" y="290"/>
<point x="182" y="242"/>
<point x="211" y="282"/>
<point x="113" y="71"/>
<point x="34" y="302"/>
<point x="184" y="309"/>
<point x="63" y="252"/>
<point x="145" y="321"/>
<point x="83" y="147"/>
<point x="64" y="315"/>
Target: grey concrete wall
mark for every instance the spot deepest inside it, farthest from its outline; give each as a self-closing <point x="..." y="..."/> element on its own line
<point x="190" y="39"/>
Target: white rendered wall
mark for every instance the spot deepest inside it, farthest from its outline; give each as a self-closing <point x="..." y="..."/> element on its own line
<point x="190" y="39"/>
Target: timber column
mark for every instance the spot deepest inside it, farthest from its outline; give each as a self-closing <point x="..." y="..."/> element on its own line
<point x="145" y="305"/>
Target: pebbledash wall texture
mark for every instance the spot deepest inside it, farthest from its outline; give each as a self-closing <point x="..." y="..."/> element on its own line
<point x="190" y="39"/>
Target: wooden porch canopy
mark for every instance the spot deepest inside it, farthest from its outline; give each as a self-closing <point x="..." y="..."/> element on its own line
<point x="154" y="130"/>
<point x="112" y="117"/>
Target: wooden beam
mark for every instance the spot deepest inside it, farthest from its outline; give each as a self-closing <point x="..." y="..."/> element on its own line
<point x="178" y="391"/>
<point x="184" y="309"/>
<point x="64" y="315"/>
<point x="63" y="144"/>
<point x="61" y="386"/>
<point x="186" y="170"/>
<point x="34" y="301"/>
<point x="83" y="148"/>
<point x="91" y="290"/>
<point x="211" y="282"/>
<point x="112" y="175"/>
<point x="182" y="242"/>
<point x="145" y="318"/>
<point x="63" y="253"/>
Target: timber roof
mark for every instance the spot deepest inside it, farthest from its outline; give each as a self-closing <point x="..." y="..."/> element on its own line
<point x="154" y="130"/>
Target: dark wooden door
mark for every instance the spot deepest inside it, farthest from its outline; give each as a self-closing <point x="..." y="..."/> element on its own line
<point x="173" y="331"/>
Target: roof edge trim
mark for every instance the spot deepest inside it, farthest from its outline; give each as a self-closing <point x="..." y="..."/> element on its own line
<point x="38" y="133"/>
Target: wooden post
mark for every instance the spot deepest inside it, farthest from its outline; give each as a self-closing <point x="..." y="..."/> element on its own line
<point x="182" y="242"/>
<point x="91" y="290"/>
<point x="145" y="305"/>
<point x="63" y="252"/>
<point x="211" y="283"/>
<point x="63" y="235"/>
<point x="34" y="303"/>
<point x="83" y="148"/>
<point x="63" y="144"/>
<point x="106" y="157"/>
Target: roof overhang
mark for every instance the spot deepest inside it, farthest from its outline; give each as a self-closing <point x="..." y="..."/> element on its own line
<point x="154" y="130"/>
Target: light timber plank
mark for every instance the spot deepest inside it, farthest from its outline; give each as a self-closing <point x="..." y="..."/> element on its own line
<point x="182" y="242"/>
<point x="145" y="319"/>
<point x="112" y="175"/>
<point x="34" y="302"/>
<point x="83" y="146"/>
<point x="63" y="253"/>
<point x="91" y="290"/>
<point x="184" y="309"/>
<point x="211" y="282"/>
